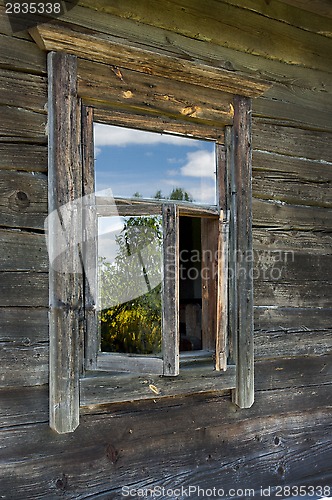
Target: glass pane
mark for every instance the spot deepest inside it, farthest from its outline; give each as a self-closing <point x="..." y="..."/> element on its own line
<point x="151" y="165"/>
<point x="130" y="276"/>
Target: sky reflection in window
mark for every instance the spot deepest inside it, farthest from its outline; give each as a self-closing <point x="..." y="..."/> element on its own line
<point x="151" y="165"/>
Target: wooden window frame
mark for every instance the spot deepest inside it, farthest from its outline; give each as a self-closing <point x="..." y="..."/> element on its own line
<point x="71" y="308"/>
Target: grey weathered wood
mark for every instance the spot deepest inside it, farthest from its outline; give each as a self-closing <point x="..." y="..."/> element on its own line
<point x="91" y="339"/>
<point x="123" y="440"/>
<point x="170" y="291"/>
<point x="96" y="47"/>
<point x="23" y="90"/>
<point x="131" y="206"/>
<point x="32" y="124"/>
<point x="99" y="390"/>
<point x="276" y="215"/>
<point x="28" y="157"/>
<point x="317" y="242"/>
<point x="24" y="365"/>
<point x="291" y="141"/>
<point x="289" y="320"/>
<point x="22" y="251"/>
<point x="209" y="278"/>
<point x="23" y="289"/>
<point x="222" y="296"/>
<point x="115" y="362"/>
<point x="281" y="343"/>
<point x="65" y="186"/>
<point x="23" y="200"/>
<point x="22" y="55"/>
<point x="98" y="85"/>
<point x="23" y="326"/>
<point x="244" y="393"/>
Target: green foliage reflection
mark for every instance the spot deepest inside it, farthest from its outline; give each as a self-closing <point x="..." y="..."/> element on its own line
<point x="133" y="326"/>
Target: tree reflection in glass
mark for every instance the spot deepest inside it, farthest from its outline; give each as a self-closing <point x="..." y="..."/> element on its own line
<point x="130" y="275"/>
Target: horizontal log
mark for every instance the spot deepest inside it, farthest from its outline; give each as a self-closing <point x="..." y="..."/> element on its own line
<point x="21" y="156"/>
<point x="286" y="10"/>
<point x="106" y="49"/>
<point x="191" y="380"/>
<point x="23" y="326"/>
<point x="155" y="123"/>
<point x="316" y="242"/>
<point x="270" y="39"/>
<point x="280" y="344"/>
<point x="296" y="168"/>
<point x="274" y="215"/>
<point x="22" y="55"/>
<point x="285" y="187"/>
<point x="293" y="294"/>
<point x="292" y="320"/>
<point x="23" y="200"/>
<point x="291" y="141"/>
<point x="259" y="447"/>
<point x="23" y="405"/>
<point x="293" y="79"/>
<point x="23" y="366"/>
<point x="301" y="371"/>
<point x="24" y="289"/>
<point x="23" y="251"/>
<point x="276" y="265"/>
<point x="22" y="123"/>
<point x="295" y="107"/>
<point x="23" y="90"/>
<point x="98" y="85"/>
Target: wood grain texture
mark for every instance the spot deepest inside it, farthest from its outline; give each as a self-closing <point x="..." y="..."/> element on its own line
<point x="32" y="125"/>
<point x="281" y="42"/>
<point x="23" y="200"/>
<point x="23" y="251"/>
<point x="281" y="216"/>
<point x="23" y="90"/>
<point x="243" y="447"/>
<point x="26" y="157"/>
<point x="99" y="84"/>
<point x="100" y="48"/>
<point x="170" y="291"/>
<point x="22" y="55"/>
<point x="23" y="366"/>
<point x="291" y="141"/>
<point x="243" y="396"/>
<point x="66" y="287"/>
<point x="23" y="326"/>
<point x="24" y="289"/>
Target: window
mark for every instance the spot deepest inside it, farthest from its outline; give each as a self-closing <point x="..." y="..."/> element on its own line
<point x="151" y="275"/>
<point x="186" y="100"/>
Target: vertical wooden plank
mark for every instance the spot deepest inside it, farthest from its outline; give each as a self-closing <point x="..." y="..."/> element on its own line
<point x="65" y="234"/>
<point x="209" y="273"/>
<point x="90" y="249"/>
<point x="170" y="324"/>
<point x="243" y="395"/>
<point x="224" y="333"/>
<point x="222" y="295"/>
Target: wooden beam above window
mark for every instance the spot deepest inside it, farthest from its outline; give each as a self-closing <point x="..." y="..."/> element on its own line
<point x="99" y="47"/>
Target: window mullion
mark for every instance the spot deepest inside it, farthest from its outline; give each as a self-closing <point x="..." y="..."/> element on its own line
<point x="170" y="323"/>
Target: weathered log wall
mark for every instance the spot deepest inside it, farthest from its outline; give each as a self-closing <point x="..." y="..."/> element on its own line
<point x="204" y="440"/>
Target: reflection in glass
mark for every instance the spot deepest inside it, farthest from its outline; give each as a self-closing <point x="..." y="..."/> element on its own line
<point x="152" y="165"/>
<point x="130" y="275"/>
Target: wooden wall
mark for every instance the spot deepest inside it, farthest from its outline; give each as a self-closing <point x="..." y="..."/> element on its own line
<point x="285" y="438"/>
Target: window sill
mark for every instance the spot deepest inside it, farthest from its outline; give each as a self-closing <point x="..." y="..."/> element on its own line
<point x="99" y="388"/>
